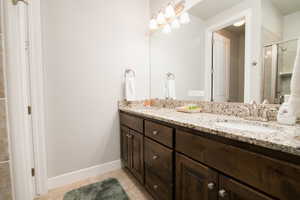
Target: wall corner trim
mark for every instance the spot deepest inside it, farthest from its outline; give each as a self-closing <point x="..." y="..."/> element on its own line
<point x="82" y="174"/>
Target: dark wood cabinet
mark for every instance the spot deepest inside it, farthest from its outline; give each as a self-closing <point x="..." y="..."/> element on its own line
<point x="132" y="152"/>
<point x="159" y="159"/>
<point x="137" y="155"/>
<point x="157" y="187"/>
<point x="195" y="181"/>
<point x="198" y="182"/>
<point x="233" y="190"/>
<point x="125" y="140"/>
<point x="173" y="162"/>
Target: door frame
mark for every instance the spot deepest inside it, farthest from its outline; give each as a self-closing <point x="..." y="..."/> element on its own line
<point x="247" y="14"/>
<point x="17" y="95"/>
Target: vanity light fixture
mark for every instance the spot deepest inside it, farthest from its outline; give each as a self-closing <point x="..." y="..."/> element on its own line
<point x="161" y="18"/>
<point x="170" y="17"/>
<point x="153" y="24"/>
<point x="167" y="29"/>
<point x="170" y="11"/>
<point x="175" y="24"/>
<point x="185" y="18"/>
<point x="239" y="23"/>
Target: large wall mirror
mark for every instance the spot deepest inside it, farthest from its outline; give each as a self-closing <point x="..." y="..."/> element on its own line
<point x="224" y="51"/>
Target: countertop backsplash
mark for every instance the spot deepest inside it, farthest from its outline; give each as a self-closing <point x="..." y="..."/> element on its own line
<point x="257" y="112"/>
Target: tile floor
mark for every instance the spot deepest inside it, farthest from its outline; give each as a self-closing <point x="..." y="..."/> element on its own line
<point x="133" y="189"/>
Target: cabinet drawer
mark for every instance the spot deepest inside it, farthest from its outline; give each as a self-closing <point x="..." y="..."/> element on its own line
<point x="230" y="189"/>
<point x="157" y="188"/>
<point x="159" y="159"/>
<point x="132" y="122"/>
<point x="160" y="133"/>
<point x="274" y="177"/>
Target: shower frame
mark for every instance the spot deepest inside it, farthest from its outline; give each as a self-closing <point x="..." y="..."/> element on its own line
<point x="275" y="68"/>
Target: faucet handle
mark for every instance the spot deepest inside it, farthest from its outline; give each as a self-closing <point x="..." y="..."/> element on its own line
<point x="253" y="102"/>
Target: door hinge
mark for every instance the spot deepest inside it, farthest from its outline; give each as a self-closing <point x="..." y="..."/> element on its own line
<point x="32" y="172"/>
<point x="27" y="44"/>
<point x="29" y="110"/>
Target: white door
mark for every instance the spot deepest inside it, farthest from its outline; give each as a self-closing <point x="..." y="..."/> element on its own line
<point x="221" y="68"/>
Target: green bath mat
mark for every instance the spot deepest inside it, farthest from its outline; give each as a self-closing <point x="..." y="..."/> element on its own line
<point x="109" y="189"/>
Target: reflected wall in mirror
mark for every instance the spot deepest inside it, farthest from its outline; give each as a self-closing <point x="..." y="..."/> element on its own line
<point x="280" y="32"/>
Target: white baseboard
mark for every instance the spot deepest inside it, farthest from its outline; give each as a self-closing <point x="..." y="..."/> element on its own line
<point x="82" y="174"/>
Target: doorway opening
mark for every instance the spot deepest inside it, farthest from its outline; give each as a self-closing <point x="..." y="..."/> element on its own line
<point x="228" y="63"/>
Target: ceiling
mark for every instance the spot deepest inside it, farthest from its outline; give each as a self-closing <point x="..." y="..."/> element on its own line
<point x="287" y="6"/>
<point x="209" y="8"/>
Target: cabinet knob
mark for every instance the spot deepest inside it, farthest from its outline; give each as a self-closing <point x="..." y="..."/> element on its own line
<point x="222" y="193"/>
<point x="155" y="187"/>
<point x="155" y="132"/>
<point x="155" y="157"/>
<point x="211" y="186"/>
<point x="129" y="136"/>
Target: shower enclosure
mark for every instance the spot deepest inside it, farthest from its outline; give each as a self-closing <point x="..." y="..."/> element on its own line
<point x="279" y="61"/>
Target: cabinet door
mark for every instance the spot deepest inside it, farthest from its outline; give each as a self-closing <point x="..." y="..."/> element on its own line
<point x="232" y="190"/>
<point x="137" y="150"/>
<point x="195" y="181"/>
<point x="125" y="146"/>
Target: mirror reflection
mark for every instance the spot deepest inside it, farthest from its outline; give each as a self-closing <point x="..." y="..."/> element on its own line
<point x="238" y="51"/>
<point x="280" y="32"/>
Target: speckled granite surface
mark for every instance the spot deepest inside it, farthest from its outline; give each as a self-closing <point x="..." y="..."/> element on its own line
<point x="269" y="134"/>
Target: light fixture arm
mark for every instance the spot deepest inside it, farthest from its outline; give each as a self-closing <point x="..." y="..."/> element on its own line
<point x="15" y="2"/>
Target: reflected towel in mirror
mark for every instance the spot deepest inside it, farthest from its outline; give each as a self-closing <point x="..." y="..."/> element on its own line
<point x="170" y="89"/>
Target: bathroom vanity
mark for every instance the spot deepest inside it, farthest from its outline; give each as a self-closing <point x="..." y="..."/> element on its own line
<point x="185" y="157"/>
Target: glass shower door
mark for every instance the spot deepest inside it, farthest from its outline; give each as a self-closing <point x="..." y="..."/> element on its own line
<point x="286" y="58"/>
<point x="278" y="69"/>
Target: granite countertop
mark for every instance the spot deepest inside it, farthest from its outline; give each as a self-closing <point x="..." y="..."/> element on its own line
<point x="281" y="137"/>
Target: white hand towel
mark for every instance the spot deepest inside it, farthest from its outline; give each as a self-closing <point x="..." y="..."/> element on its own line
<point x="170" y="89"/>
<point x="130" y="88"/>
<point x="294" y="100"/>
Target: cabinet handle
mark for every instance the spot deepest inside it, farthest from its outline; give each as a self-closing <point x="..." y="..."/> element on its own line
<point x="210" y="186"/>
<point x="155" y="132"/>
<point x="155" y="157"/>
<point x="155" y="187"/>
<point x="222" y="193"/>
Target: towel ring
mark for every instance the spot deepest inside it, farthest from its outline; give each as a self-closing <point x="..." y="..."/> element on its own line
<point x="170" y="76"/>
<point x="129" y="71"/>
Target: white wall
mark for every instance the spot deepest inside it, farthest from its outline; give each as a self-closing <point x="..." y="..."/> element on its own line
<point x="272" y="19"/>
<point x="87" y="46"/>
<point x="292" y="26"/>
<point x="182" y="53"/>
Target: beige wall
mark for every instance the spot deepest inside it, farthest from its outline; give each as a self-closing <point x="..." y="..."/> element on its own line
<point x="5" y="183"/>
<point x="87" y="45"/>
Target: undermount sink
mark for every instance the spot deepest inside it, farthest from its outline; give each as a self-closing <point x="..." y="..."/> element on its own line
<point x="247" y="126"/>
